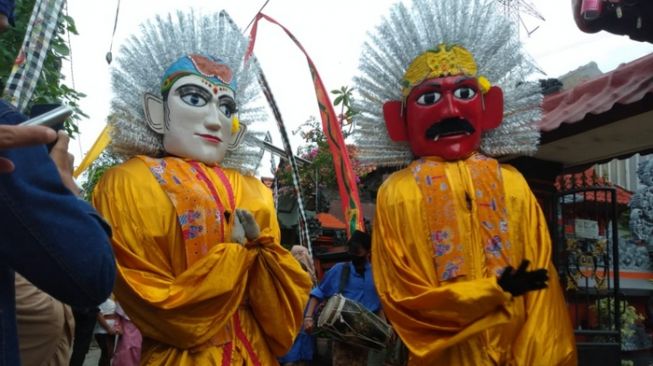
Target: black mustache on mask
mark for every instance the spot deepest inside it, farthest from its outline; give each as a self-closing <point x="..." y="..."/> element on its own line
<point x="448" y="127"/>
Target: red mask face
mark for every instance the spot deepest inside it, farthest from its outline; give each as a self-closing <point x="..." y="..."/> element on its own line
<point x="445" y="117"/>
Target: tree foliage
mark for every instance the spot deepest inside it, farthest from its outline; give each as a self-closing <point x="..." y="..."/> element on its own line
<point x="50" y="88"/>
<point x="319" y="177"/>
<point x="103" y="163"/>
<point x="344" y="98"/>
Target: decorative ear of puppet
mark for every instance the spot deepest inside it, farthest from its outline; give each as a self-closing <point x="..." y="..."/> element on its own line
<point x="394" y="121"/>
<point x="154" y="111"/>
<point x="493" y="114"/>
<point x="238" y="137"/>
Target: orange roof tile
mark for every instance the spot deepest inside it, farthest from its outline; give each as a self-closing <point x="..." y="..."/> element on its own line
<point x="330" y="221"/>
<point x="588" y="179"/>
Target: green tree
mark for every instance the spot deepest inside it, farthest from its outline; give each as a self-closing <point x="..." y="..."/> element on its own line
<point x="318" y="177"/>
<point x="50" y="88"/>
<point x="103" y="163"/>
<point x="344" y="98"/>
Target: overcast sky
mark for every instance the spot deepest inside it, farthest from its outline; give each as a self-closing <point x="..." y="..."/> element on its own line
<point x="331" y="32"/>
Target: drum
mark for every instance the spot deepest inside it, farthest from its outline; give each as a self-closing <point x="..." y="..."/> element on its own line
<point x="348" y="321"/>
<point x="396" y="353"/>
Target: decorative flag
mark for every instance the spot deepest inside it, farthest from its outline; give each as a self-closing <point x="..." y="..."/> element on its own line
<point x="345" y="176"/>
<point x="98" y="146"/>
<point x="29" y="62"/>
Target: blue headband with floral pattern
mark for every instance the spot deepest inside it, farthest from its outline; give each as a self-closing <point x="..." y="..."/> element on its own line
<point x="209" y="68"/>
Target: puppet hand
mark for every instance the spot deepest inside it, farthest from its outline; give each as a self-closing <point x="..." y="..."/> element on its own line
<point x="238" y="231"/>
<point x="521" y="281"/>
<point x="249" y="224"/>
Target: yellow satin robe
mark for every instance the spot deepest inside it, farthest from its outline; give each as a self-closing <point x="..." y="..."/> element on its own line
<point x="179" y="308"/>
<point x="472" y="321"/>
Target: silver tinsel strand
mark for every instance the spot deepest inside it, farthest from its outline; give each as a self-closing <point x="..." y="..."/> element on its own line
<point x="142" y="61"/>
<point x="477" y="25"/>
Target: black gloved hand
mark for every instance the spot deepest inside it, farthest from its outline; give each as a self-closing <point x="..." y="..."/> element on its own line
<point x="521" y="281"/>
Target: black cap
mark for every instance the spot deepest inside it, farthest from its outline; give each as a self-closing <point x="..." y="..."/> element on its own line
<point x="362" y="238"/>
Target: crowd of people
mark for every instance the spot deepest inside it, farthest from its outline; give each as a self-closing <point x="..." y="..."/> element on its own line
<point x="178" y="261"/>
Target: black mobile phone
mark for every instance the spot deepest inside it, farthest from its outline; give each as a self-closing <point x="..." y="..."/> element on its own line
<point x="52" y="118"/>
<point x="51" y="115"/>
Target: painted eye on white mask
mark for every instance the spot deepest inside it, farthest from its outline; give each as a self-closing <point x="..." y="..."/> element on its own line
<point x="193" y="95"/>
<point x="227" y="106"/>
<point x="429" y="98"/>
<point x="194" y="99"/>
<point x="464" y="93"/>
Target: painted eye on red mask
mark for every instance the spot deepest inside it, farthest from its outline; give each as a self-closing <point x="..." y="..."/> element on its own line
<point x="429" y="98"/>
<point x="464" y="93"/>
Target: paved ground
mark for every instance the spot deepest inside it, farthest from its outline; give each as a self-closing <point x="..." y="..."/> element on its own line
<point x="93" y="355"/>
<point x="323" y="354"/>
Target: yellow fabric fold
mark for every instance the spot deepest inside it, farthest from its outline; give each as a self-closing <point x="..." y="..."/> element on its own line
<point x="179" y="308"/>
<point x="471" y="320"/>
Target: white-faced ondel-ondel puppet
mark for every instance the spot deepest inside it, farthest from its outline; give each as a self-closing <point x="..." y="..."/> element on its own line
<point x="461" y="251"/>
<point x="201" y="271"/>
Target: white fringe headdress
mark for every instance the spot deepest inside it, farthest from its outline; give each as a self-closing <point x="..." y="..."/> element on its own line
<point x="142" y="62"/>
<point x="478" y="26"/>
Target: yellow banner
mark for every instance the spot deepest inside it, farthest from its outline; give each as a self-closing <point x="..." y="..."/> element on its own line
<point x="98" y="146"/>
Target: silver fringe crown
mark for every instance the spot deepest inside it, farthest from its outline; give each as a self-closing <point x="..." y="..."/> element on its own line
<point x="483" y="30"/>
<point x="142" y="62"/>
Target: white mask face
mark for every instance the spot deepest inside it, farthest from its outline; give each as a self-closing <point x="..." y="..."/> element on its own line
<point x="198" y="120"/>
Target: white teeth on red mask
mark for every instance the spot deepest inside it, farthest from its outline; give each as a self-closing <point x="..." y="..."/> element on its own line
<point x="467" y="133"/>
<point x="436" y="138"/>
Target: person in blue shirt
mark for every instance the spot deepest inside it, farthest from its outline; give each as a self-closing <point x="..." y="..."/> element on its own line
<point x="47" y="234"/>
<point x="359" y="286"/>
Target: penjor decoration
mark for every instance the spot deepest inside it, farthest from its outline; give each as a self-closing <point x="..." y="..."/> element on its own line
<point x="351" y="206"/>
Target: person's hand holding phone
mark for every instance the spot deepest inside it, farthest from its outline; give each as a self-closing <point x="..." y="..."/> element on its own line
<point x="21" y="136"/>
<point x="64" y="161"/>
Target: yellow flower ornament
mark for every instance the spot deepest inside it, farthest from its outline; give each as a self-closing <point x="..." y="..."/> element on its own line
<point x="443" y="62"/>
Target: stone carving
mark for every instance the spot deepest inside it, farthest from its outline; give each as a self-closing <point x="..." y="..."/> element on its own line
<point x="641" y="206"/>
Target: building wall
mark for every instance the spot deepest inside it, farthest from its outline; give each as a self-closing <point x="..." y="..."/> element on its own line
<point x="623" y="172"/>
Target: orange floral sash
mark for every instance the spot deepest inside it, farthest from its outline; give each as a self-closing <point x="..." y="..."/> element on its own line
<point x="204" y="209"/>
<point x="487" y="202"/>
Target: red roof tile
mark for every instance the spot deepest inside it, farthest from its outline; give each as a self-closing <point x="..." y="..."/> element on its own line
<point x="627" y="84"/>
<point x="588" y="179"/>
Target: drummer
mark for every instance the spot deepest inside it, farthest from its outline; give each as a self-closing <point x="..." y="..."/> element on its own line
<point x="355" y="280"/>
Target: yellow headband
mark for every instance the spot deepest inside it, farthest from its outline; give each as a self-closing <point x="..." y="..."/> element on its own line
<point x="441" y="63"/>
